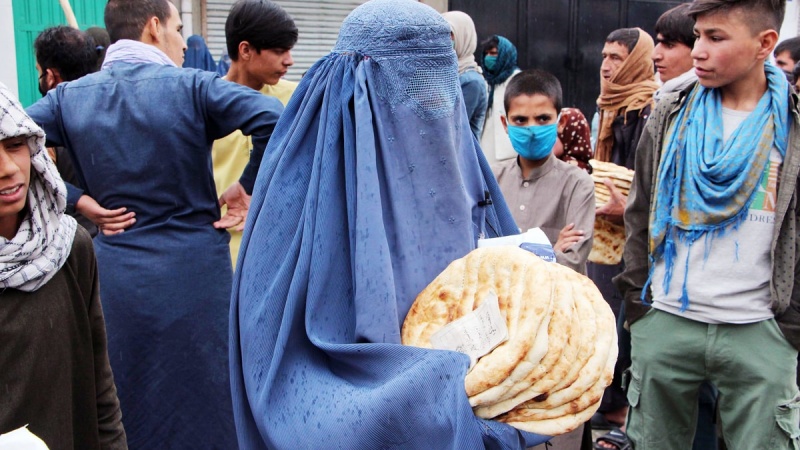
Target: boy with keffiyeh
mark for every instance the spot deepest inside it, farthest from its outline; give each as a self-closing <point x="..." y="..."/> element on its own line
<point x="710" y="261"/>
<point x="54" y="369"/>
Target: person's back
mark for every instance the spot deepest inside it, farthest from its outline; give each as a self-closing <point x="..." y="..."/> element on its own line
<point x="122" y="156"/>
<point x="140" y="133"/>
<point x="354" y="214"/>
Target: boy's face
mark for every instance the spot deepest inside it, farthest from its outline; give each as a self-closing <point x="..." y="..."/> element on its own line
<point x="726" y="52"/>
<point x="784" y="61"/>
<point x="270" y="64"/>
<point x="529" y="110"/>
<point x="672" y="59"/>
<point x="15" y="174"/>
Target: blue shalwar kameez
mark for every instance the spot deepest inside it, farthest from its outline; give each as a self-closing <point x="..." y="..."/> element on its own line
<point x="140" y="136"/>
<point x="372" y="184"/>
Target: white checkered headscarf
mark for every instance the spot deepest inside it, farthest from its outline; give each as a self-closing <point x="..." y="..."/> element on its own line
<point x="44" y="239"/>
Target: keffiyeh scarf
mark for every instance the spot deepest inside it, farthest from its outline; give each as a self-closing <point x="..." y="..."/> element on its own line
<point x="135" y="52"/>
<point x="704" y="188"/>
<point x="44" y="239"/>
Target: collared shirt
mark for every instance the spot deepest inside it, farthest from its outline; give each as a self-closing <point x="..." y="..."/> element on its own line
<point x="551" y="197"/>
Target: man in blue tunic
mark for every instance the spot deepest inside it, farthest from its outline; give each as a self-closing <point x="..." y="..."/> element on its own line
<point x="140" y="134"/>
<point x="372" y="184"/>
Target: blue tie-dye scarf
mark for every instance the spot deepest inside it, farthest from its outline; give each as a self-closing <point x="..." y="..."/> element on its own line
<point x="704" y="187"/>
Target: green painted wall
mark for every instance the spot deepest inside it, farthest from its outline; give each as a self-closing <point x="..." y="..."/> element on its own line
<point x="33" y="16"/>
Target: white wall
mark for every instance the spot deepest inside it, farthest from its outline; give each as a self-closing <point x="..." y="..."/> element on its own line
<point x="8" y="53"/>
<point x="791" y="20"/>
<point x="438" y="5"/>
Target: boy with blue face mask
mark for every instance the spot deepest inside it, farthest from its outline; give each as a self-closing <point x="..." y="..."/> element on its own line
<point x="541" y="190"/>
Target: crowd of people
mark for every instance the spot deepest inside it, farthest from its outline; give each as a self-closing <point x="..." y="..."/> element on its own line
<point x="206" y="255"/>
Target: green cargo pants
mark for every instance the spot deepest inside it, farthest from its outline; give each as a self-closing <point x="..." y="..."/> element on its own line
<point x="752" y="365"/>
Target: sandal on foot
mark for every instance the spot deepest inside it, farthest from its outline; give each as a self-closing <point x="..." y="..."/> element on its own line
<point x="617" y="438"/>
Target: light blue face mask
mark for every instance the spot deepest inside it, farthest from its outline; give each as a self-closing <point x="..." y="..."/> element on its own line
<point x="490" y="61"/>
<point x="534" y="142"/>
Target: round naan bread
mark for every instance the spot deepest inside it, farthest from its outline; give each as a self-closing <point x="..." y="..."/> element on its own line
<point x="550" y="374"/>
<point x="523" y="287"/>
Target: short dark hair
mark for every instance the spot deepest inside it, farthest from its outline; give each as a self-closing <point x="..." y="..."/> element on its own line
<point x="69" y="51"/>
<point x="262" y="23"/>
<point x="761" y="14"/>
<point x="125" y="19"/>
<point x="532" y="82"/>
<point x="791" y="45"/>
<point x="624" y="36"/>
<point x="490" y="42"/>
<point x="676" y="27"/>
<point x="101" y="42"/>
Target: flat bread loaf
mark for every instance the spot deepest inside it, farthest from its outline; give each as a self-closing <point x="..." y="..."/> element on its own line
<point x="609" y="238"/>
<point x="608" y="243"/>
<point x="549" y="375"/>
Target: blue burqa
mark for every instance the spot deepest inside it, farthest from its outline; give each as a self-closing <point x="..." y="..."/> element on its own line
<point x="197" y="55"/>
<point x="372" y="185"/>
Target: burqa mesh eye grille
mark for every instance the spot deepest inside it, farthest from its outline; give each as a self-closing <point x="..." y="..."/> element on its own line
<point x="415" y="68"/>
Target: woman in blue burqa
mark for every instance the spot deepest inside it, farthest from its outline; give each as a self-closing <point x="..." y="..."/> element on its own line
<point x="371" y="185"/>
<point x="197" y="55"/>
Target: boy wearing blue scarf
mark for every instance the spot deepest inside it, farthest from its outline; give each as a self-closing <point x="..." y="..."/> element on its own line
<point x="541" y="190"/>
<point x="710" y="278"/>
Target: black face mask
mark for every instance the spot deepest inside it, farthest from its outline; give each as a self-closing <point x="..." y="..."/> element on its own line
<point x="42" y="87"/>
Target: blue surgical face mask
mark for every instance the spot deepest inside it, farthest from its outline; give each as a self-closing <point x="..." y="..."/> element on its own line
<point x="534" y="142"/>
<point x="490" y="61"/>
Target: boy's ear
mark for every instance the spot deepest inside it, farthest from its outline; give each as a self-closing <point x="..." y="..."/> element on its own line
<point x="151" y="31"/>
<point x="505" y="123"/>
<point x="245" y="50"/>
<point x="767" y="39"/>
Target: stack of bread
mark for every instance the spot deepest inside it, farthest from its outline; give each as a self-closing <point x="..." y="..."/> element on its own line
<point x="608" y="238"/>
<point x="549" y="375"/>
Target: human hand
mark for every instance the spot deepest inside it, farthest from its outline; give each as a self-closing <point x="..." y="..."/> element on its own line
<point x="568" y="237"/>
<point x="108" y="221"/>
<point x="615" y="208"/>
<point x="238" y="203"/>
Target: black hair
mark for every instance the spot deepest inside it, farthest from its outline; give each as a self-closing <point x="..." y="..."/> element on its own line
<point x="490" y="42"/>
<point x="69" y="51"/>
<point x="791" y="45"/>
<point x="262" y="23"/>
<point x="126" y="19"/>
<point x="624" y="36"/>
<point x="761" y="14"/>
<point x="101" y="41"/>
<point x="676" y="27"/>
<point x="532" y="82"/>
